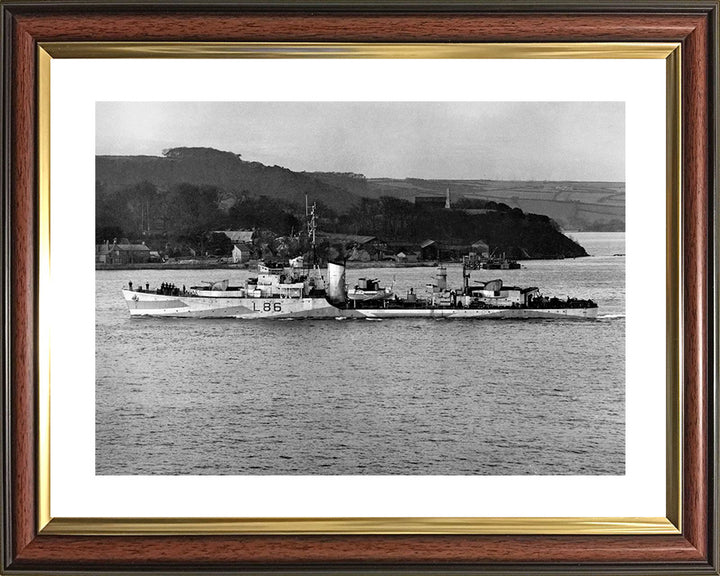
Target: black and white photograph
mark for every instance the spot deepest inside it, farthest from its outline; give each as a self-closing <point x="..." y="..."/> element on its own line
<point x="360" y="288"/>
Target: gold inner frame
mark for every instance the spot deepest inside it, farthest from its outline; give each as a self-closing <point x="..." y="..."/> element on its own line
<point x="671" y="524"/>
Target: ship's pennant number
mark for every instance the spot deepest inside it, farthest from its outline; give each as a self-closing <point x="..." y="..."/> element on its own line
<point x="267" y="307"/>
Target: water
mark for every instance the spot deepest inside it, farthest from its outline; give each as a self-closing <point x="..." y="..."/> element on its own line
<point x="402" y="396"/>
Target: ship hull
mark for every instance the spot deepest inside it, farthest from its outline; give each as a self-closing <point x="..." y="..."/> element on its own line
<point x="160" y="305"/>
<point x="510" y="313"/>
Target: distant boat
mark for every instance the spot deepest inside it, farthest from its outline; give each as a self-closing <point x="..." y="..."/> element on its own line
<point x="473" y="261"/>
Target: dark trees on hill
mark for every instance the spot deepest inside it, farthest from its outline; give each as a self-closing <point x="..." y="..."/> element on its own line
<point x="128" y="212"/>
<point x="107" y="233"/>
<point x="219" y="245"/>
<point x="181" y="214"/>
<point x="185" y="214"/>
<point x="506" y="229"/>
<point x="190" y="211"/>
<point x="264" y="212"/>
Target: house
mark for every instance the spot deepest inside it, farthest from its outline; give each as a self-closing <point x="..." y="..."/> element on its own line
<point x="406" y="257"/>
<point x="102" y="252"/>
<point x="429" y="250"/>
<point x="241" y="252"/>
<point x="121" y="253"/>
<point x="238" y="236"/>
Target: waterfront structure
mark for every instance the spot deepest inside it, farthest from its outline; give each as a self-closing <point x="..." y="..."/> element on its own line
<point x="407" y="257"/>
<point x="121" y="253"/>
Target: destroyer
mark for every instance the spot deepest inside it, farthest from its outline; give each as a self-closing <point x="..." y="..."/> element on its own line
<point x="298" y="293"/>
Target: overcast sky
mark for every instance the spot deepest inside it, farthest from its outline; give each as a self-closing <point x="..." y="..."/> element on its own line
<point x="458" y="140"/>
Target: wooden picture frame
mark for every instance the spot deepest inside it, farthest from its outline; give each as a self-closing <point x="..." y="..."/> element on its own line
<point x="31" y="544"/>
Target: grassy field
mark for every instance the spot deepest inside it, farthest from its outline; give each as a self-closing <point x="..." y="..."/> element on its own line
<point x="574" y="205"/>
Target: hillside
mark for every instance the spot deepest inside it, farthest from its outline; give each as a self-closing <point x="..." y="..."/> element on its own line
<point x="506" y="230"/>
<point x="174" y="200"/>
<point x="573" y="205"/>
<point x="224" y="170"/>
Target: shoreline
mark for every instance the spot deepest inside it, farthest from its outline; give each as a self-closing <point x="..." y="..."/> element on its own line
<point x="252" y="266"/>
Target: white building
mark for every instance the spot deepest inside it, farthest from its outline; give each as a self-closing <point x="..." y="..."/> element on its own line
<point x="241" y="252"/>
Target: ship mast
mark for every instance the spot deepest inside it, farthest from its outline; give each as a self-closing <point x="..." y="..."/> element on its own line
<point x="312" y="227"/>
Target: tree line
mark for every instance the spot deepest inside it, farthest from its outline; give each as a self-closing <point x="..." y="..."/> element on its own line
<point x="184" y="215"/>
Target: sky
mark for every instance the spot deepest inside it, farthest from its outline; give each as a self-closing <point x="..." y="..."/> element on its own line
<point x="433" y="140"/>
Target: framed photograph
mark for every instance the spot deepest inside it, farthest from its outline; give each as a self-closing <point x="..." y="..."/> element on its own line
<point x="351" y="287"/>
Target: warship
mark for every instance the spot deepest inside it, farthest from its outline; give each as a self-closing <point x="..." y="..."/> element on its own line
<point x="295" y="293"/>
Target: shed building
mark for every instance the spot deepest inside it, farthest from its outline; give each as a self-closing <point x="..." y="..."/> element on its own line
<point x="429" y="250"/>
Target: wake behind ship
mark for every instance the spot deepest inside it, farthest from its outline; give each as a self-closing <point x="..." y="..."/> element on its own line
<point x="280" y="292"/>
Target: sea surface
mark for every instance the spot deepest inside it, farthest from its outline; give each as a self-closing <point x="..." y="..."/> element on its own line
<point x="394" y="396"/>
